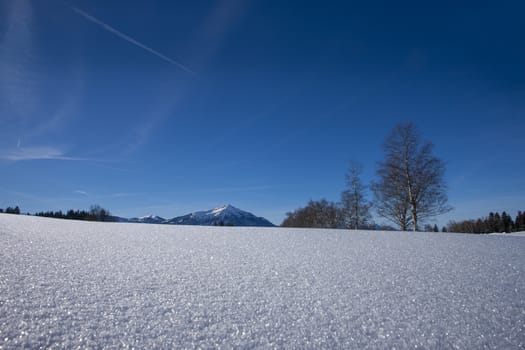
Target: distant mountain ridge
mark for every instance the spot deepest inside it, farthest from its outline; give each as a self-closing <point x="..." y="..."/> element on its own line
<point x="148" y="219"/>
<point x="226" y="215"/>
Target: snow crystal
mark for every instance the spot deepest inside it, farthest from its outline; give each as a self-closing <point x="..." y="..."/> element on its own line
<point x="70" y="284"/>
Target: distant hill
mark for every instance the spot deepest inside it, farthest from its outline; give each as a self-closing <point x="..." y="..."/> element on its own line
<point x="226" y="215"/>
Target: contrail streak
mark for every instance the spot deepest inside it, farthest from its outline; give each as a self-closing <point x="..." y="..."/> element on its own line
<point x="127" y="38"/>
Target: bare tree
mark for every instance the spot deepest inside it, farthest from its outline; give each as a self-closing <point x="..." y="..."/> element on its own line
<point x="390" y="199"/>
<point x="355" y="206"/>
<point x="321" y="214"/>
<point x="97" y="213"/>
<point x="410" y="179"/>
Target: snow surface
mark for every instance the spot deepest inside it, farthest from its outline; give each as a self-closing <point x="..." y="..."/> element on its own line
<point x="517" y="234"/>
<point x="67" y="284"/>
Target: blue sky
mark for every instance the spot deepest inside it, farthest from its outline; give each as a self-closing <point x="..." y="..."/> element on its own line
<point x="166" y="107"/>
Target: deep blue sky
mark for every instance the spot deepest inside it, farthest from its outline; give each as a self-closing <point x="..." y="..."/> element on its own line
<point x="166" y="107"/>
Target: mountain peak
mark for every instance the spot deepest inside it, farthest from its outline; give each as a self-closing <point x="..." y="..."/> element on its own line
<point x="227" y="215"/>
<point x="149" y="216"/>
<point x="225" y="208"/>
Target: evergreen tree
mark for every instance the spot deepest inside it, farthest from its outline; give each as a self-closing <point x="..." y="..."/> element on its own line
<point x="491" y="225"/>
<point x="480" y="226"/>
<point x="497" y="223"/>
<point x="11" y="210"/>
<point x="494" y="222"/>
<point x="507" y="223"/>
<point x="520" y="222"/>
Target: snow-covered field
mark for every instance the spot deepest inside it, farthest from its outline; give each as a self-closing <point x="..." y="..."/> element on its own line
<point x="67" y="284"/>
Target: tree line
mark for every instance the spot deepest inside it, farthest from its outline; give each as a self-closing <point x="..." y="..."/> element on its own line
<point x="11" y="210"/>
<point x="494" y="222"/>
<point x="409" y="189"/>
<point x="316" y="214"/>
<point x="95" y="213"/>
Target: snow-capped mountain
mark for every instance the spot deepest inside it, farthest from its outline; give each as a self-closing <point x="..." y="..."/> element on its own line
<point x="148" y="219"/>
<point x="226" y="215"/>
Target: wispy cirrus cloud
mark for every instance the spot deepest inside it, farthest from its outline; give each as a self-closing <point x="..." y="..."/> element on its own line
<point x="19" y="83"/>
<point x="127" y="38"/>
<point x="238" y="189"/>
<point x="36" y="153"/>
<point x="209" y="36"/>
<point x="27" y="109"/>
<point x="203" y="44"/>
<point x="36" y="198"/>
<point x="146" y="127"/>
<point x="139" y="134"/>
<point x="106" y="196"/>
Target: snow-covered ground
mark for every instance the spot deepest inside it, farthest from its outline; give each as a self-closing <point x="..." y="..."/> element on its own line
<point x="517" y="234"/>
<point x="69" y="284"/>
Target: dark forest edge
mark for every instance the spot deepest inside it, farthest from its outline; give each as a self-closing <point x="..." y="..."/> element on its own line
<point x="325" y="214"/>
<point x="95" y="213"/>
<point x="493" y="223"/>
<point x="321" y="214"/>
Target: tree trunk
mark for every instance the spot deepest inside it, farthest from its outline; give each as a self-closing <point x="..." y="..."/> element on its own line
<point x="414" y="218"/>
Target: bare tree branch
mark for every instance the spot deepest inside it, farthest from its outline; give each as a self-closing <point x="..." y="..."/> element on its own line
<point x="411" y="187"/>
